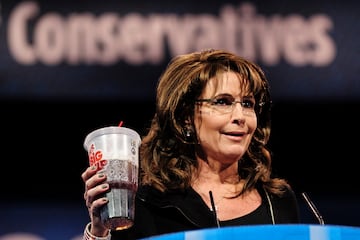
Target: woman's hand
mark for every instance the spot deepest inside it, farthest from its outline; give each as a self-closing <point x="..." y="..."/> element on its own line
<point x="95" y="189"/>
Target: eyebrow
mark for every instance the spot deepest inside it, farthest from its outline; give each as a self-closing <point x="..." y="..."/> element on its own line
<point x="228" y="94"/>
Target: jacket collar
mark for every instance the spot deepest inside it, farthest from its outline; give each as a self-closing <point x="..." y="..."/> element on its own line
<point x="187" y="202"/>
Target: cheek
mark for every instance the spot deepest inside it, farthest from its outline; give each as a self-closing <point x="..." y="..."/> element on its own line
<point x="205" y="123"/>
<point x="252" y="124"/>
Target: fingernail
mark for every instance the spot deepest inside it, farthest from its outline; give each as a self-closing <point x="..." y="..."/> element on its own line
<point x="101" y="175"/>
<point x="104" y="186"/>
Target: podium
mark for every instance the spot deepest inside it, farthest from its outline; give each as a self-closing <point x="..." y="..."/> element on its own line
<point x="268" y="232"/>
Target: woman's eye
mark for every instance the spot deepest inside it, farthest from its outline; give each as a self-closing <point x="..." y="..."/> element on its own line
<point x="248" y="104"/>
<point x="223" y="101"/>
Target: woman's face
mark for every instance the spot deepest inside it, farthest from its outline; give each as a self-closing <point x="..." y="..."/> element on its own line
<point x="225" y="132"/>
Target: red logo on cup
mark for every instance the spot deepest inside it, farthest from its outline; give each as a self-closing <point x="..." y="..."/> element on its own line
<point x="95" y="158"/>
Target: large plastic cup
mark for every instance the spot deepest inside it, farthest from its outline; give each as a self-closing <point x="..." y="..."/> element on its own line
<point x="115" y="151"/>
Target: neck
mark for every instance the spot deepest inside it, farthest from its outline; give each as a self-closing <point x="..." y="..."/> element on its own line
<point x="217" y="172"/>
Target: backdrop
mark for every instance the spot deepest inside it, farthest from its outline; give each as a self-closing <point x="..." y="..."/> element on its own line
<point x="116" y="50"/>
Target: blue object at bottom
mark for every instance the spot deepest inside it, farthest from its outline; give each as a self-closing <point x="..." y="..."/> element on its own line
<point x="268" y="232"/>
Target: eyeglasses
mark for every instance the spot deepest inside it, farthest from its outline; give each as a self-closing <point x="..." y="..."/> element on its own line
<point x="223" y="104"/>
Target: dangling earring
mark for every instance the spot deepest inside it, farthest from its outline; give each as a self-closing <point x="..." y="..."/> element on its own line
<point x="188" y="134"/>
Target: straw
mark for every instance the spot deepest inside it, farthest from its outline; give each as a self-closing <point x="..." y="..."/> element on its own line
<point x="121" y="123"/>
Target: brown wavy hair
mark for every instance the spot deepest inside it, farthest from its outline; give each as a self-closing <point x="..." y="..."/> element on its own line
<point x="167" y="155"/>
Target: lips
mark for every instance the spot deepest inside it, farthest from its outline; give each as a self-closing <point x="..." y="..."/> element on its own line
<point x="236" y="134"/>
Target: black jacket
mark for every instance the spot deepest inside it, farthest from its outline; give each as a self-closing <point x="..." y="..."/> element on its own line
<point x="159" y="213"/>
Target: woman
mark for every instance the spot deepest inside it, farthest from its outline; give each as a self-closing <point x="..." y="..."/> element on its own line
<point x="204" y="162"/>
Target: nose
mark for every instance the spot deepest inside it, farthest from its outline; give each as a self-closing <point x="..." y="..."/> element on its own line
<point x="239" y="121"/>
<point x="237" y="106"/>
<point x="238" y="111"/>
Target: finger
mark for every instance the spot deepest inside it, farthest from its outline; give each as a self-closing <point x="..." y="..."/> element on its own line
<point x="95" y="193"/>
<point x="88" y="173"/>
<point x="96" y="205"/>
<point x="95" y="180"/>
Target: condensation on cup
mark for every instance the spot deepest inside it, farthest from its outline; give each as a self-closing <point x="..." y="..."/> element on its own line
<point x="115" y="151"/>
